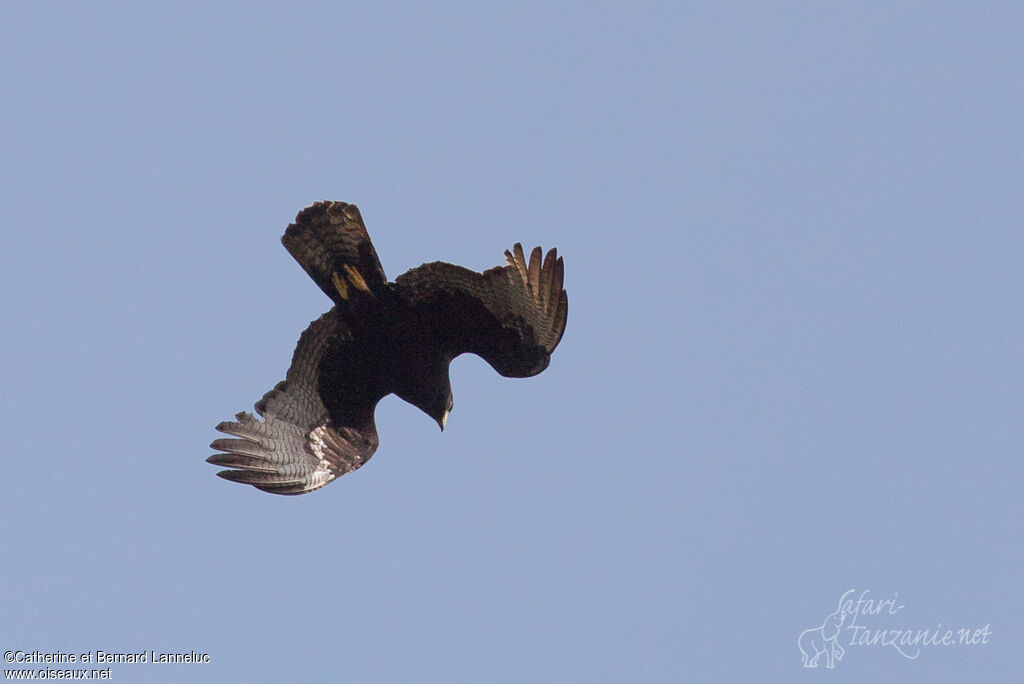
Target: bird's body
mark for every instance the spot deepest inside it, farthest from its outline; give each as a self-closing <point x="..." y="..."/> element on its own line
<point x="384" y="338"/>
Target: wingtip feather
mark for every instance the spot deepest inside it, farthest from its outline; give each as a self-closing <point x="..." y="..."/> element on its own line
<point x="519" y="261"/>
<point x="258" y="479"/>
<point x="546" y="277"/>
<point x="241" y="462"/>
<point x="560" y="318"/>
<point x="557" y="277"/>
<point x="534" y="270"/>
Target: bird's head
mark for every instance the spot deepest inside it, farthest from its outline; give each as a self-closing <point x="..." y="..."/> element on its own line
<point x="438" y="406"/>
<point x="443" y="420"/>
<point x="434" y="399"/>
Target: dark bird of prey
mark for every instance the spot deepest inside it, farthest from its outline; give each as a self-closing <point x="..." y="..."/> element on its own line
<point x="381" y="338"/>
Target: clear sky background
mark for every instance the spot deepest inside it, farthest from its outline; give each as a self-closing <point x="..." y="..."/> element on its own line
<point x="793" y="245"/>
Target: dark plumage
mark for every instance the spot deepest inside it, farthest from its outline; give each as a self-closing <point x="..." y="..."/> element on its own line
<point x="382" y="338"/>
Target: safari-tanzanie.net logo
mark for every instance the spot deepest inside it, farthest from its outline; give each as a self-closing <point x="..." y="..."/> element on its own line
<point x="862" y="621"/>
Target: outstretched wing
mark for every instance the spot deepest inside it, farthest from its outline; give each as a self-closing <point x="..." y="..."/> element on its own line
<point x="330" y="242"/>
<point x="295" y="448"/>
<point x="513" y="316"/>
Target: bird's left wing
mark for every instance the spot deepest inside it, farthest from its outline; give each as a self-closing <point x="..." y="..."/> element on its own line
<point x="513" y="316"/>
<point x="330" y="242"/>
<point x="295" y="448"/>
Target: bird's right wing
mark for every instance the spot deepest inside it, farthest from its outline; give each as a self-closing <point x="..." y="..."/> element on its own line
<point x="295" y="448"/>
<point x="513" y="316"/>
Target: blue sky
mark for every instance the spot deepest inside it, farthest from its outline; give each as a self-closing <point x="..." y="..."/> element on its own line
<point x="792" y="367"/>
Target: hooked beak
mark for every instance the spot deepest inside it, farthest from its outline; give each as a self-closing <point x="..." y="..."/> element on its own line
<point x="443" y="421"/>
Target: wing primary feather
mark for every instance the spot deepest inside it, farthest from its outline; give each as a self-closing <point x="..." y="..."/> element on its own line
<point x="557" y="274"/>
<point x="561" y="314"/>
<point x="259" y="479"/>
<point x="519" y="262"/>
<point x="241" y="462"/>
<point x="534" y="270"/>
<point x="243" y="447"/>
<point x="546" y="277"/>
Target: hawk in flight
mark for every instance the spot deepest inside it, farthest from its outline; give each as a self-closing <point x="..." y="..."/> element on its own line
<point x="381" y="338"/>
